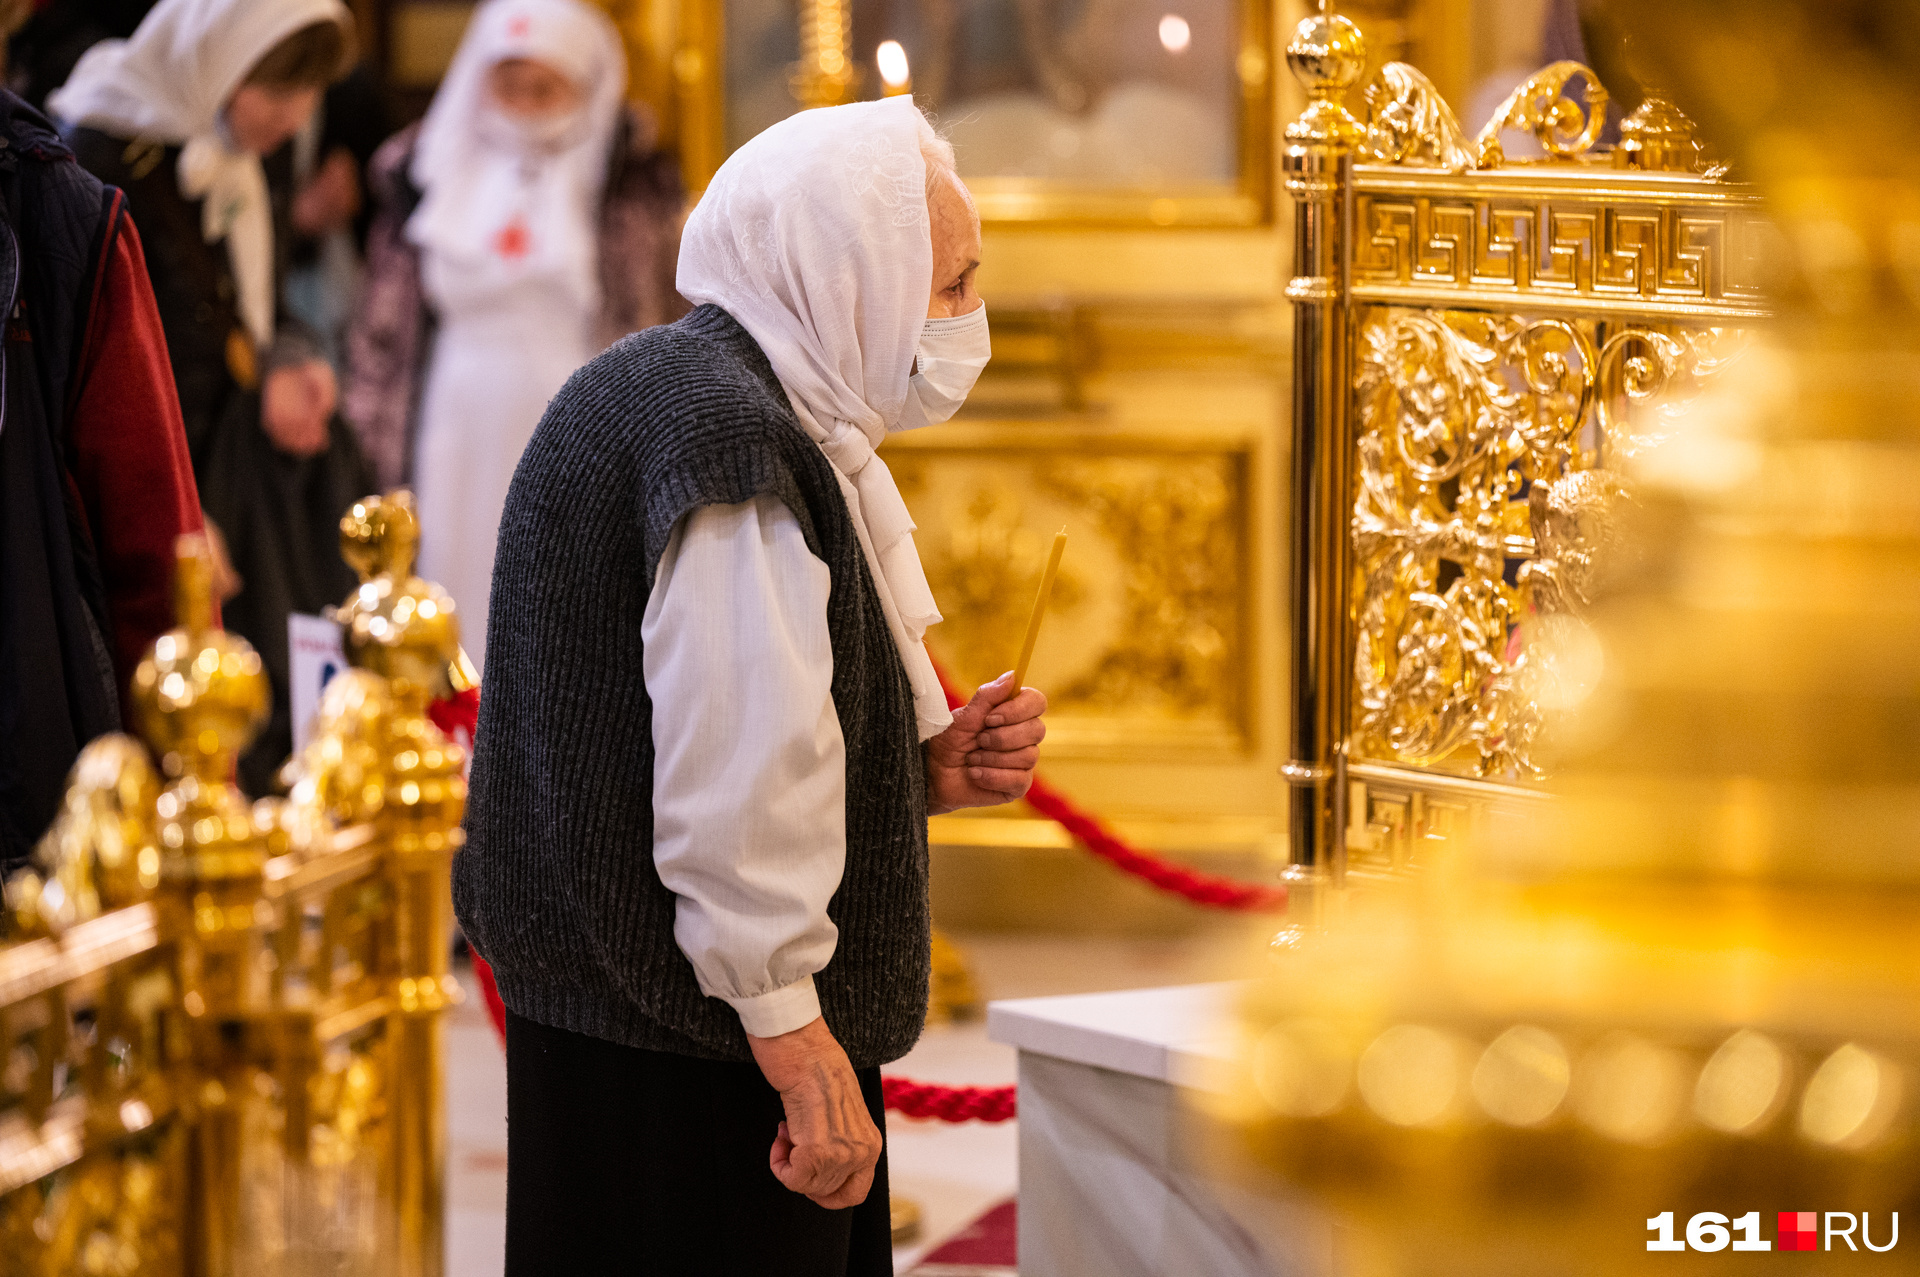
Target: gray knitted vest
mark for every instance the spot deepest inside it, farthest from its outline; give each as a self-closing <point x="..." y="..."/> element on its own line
<point x="556" y="885"/>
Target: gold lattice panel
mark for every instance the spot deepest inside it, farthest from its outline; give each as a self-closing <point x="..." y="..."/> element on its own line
<point x="1488" y="501"/>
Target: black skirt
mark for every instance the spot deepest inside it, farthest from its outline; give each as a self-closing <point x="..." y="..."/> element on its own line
<point x="630" y="1162"/>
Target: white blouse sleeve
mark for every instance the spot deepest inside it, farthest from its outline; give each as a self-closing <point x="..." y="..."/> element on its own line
<point x="749" y="771"/>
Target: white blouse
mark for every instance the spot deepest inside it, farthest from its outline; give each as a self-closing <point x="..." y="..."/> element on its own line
<point x="749" y="771"/>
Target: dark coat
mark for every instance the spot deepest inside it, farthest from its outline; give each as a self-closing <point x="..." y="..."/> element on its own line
<point x="280" y="514"/>
<point x="95" y="487"/>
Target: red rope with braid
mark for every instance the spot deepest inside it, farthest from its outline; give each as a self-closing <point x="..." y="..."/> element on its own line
<point x="1201" y="888"/>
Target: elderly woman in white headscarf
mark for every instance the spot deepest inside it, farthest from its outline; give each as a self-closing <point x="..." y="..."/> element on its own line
<point x="190" y="116"/>
<point x="525" y="225"/>
<point x="710" y="734"/>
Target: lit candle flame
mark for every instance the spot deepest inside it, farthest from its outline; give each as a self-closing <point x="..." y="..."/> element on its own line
<point x="1175" y="34"/>
<point x="892" y="61"/>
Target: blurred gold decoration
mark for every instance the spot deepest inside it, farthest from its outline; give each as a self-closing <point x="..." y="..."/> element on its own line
<point x="1159" y="652"/>
<point x="955" y="995"/>
<point x="1658" y="138"/>
<point x="397" y="625"/>
<point x="103" y="850"/>
<point x="220" y="1024"/>
<point x="338" y="779"/>
<point x="904" y="1220"/>
<point x="1681" y="988"/>
<point x="825" y="75"/>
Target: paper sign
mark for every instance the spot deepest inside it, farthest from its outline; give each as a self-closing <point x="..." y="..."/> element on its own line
<point x="315" y="655"/>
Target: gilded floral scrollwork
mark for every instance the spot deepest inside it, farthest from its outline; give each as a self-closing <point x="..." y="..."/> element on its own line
<point x="1459" y="415"/>
<point x="1177" y="527"/>
<point x="1408" y="122"/>
<point x="1489" y="501"/>
<point x="1144" y="640"/>
<point x="1540" y="106"/>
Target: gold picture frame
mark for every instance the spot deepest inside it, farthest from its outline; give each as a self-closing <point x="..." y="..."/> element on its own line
<point x="678" y="51"/>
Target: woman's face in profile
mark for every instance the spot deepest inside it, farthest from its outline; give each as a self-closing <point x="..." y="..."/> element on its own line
<point x="528" y="89"/>
<point x="260" y="118"/>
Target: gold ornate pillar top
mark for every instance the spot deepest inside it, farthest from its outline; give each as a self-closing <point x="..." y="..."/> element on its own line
<point x="396" y="624"/>
<point x="200" y="694"/>
<point x="199" y="697"/>
<point x="1328" y="55"/>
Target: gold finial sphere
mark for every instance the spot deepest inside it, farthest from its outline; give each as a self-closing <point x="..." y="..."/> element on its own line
<point x="395" y="624"/>
<point x="200" y="695"/>
<point x="360" y="530"/>
<point x="1327" y="54"/>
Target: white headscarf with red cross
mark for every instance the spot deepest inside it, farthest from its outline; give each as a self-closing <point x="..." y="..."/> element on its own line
<point x="505" y="200"/>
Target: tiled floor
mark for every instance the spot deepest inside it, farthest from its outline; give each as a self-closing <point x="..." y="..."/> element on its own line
<point x="954" y="1172"/>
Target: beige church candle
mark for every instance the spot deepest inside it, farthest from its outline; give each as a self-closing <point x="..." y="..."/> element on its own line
<point x="1039" y="610"/>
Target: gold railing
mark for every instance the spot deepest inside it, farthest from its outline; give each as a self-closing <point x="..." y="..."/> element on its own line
<point x="220" y="1023"/>
<point x="1479" y="343"/>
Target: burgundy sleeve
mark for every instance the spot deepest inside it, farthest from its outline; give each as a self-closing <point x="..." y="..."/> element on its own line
<point x="130" y="459"/>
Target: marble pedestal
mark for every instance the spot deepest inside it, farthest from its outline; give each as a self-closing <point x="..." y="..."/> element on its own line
<point x="1111" y="1183"/>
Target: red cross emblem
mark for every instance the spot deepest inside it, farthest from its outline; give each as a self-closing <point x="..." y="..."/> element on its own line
<point x="513" y="241"/>
<point x="519" y="25"/>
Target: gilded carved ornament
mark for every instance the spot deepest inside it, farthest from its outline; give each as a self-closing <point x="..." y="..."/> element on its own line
<point x="1408" y="122"/>
<point x="1489" y="501"/>
<point x="1158" y="616"/>
<point x="375" y="755"/>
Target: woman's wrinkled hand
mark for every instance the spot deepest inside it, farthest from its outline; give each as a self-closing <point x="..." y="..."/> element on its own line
<point x="986" y="757"/>
<point x="828" y="1146"/>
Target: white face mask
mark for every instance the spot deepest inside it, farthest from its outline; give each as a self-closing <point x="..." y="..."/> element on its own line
<point x="952" y="353"/>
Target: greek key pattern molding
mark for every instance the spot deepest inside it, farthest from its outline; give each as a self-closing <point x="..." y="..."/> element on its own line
<point x="1645" y="257"/>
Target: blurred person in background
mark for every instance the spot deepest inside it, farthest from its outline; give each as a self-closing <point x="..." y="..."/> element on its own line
<point x="525" y="225"/>
<point x="330" y="212"/>
<point x="95" y="484"/>
<point x="179" y="116"/>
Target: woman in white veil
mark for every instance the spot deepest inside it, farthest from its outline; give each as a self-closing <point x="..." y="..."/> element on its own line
<point x="526" y="224"/>
<point x="710" y="735"/>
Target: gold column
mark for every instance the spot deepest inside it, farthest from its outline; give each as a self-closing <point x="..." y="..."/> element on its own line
<point x="405" y="629"/>
<point x="1327" y="56"/>
<point x="200" y="697"/>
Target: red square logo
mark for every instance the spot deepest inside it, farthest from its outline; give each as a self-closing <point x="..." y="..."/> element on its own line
<point x="1799" y="1230"/>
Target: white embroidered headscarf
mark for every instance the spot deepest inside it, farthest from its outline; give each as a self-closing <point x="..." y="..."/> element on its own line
<point x="169" y="83"/>
<point x="505" y="201"/>
<point x="815" y="237"/>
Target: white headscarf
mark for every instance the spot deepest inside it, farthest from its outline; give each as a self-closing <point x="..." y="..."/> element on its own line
<point x="505" y="202"/>
<point x="169" y="82"/>
<point x="815" y="237"/>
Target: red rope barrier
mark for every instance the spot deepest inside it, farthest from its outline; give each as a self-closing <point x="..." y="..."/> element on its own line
<point x="949" y="1103"/>
<point x="1211" y="890"/>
